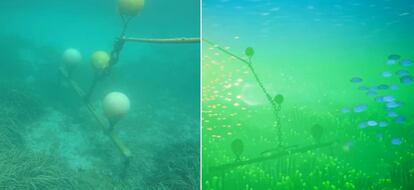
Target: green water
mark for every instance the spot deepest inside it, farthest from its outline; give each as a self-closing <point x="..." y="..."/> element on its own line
<point x="308" y="51"/>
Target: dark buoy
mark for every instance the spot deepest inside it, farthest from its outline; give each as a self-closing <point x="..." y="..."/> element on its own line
<point x="278" y="99"/>
<point x="237" y="147"/>
<point x="249" y="52"/>
<point x="317" y="132"/>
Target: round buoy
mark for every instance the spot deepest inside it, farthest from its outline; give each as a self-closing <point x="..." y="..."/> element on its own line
<point x="100" y="60"/>
<point x="130" y="7"/>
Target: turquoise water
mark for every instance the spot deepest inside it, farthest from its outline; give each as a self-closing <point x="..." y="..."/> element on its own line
<point x="50" y="140"/>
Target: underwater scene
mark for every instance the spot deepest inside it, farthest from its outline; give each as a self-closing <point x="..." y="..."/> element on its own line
<point x="308" y="94"/>
<point x="99" y="94"/>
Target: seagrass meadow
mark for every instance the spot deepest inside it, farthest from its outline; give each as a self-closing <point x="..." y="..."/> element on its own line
<point x="312" y="95"/>
<point x="99" y="95"/>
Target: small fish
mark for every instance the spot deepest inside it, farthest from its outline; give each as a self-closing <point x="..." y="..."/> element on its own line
<point x="394" y="57"/>
<point x="382" y="124"/>
<point x="392" y="114"/>
<point x="408" y="79"/>
<point x="345" y="110"/>
<point x="391" y="62"/>
<point x="360" y="108"/>
<point x="406" y="63"/>
<point x="371" y="93"/>
<point x="373" y="88"/>
<point x="356" y="80"/>
<point x="402" y="73"/>
<point x="396" y="141"/>
<point x="387" y="74"/>
<point x="379" y="136"/>
<point x="372" y="123"/>
<point x="388" y="99"/>
<point x="400" y="120"/>
<point x="392" y="105"/>
<point x="379" y="99"/>
<point x="394" y="87"/>
<point x="363" y="88"/>
<point x="383" y="87"/>
<point x="362" y="125"/>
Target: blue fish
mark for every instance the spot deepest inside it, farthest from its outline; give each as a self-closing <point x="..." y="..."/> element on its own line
<point x="372" y="123"/>
<point x="379" y="99"/>
<point x="360" y="108"/>
<point x="382" y="124"/>
<point x="408" y="79"/>
<point x="394" y="57"/>
<point x="391" y="62"/>
<point x="387" y="74"/>
<point x="392" y="105"/>
<point x="371" y="93"/>
<point x="363" y="88"/>
<point x="388" y="99"/>
<point x="392" y="114"/>
<point x="379" y="136"/>
<point x="345" y="110"/>
<point x="394" y="87"/>
<point x="400" y="119"/>
<point x="396" y="141"/>
<point x="402" y="73"/>
<point x="373" y="88"/>
<point x="383" y="87"/>
<point x="406" y="63"/>
<point x="356" y="80"/>
<point x="362" y="125"/>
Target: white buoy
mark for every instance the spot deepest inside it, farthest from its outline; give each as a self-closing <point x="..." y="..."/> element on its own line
<point x="72" y="57"/>
<point x="115" y="106"/>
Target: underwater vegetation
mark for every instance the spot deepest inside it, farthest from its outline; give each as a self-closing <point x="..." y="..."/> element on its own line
<point x="18" y="105"/>
<point x="365" y="146"/>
